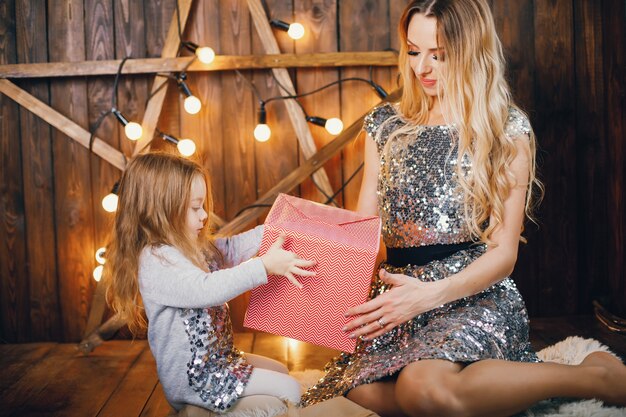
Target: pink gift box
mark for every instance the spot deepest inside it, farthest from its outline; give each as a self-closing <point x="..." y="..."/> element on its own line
<point x="344" y="244"/>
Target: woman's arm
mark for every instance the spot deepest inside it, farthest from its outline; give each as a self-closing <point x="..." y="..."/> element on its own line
<point x="368" y="204"/>
<point x="410" y="297"/>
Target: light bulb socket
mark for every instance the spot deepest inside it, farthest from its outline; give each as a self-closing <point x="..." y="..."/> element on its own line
<point x="180" y="80"/>
<point x="279" y="24"/>
<point x="380" y="91"/>
<point x="169" y="138"/>
<point x="262" y="114"/>
<point x="191" y="46"/>
<point x="119" y="116"/>
<point x="320" y="121"/>
<point x="116" y="188"/>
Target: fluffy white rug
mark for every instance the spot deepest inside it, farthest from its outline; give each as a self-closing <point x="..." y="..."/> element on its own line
<point x="570" y="351"/>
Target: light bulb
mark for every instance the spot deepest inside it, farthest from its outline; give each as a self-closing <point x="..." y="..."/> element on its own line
<point x="205" y="54"/>
<point x="97" y="272"/>
<point x="262" y="132"/>
<point x="192" y="104"/>
<point x="334" y="126"/>
<point x="100" y="255"/>
<point x="109" y="202"/>
<point x="186" y="147"/>
<point x="296" y="31"/>
<point x="133" y="130"/>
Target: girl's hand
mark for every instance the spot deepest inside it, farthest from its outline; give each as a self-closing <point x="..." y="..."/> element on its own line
<point x="278" y="261"/>
<point x="406" y="299"/>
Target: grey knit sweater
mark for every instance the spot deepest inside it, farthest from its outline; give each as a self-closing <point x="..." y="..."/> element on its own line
<point x="189" y="329"/>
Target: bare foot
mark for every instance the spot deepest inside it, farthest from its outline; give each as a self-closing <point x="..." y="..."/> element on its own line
<point x="613" y="388"/>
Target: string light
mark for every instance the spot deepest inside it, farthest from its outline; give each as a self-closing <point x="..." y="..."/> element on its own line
<point x="100" y="255"/>
<point x="109" y="202"/>
<point x="186" y="147"/>
<point x="262" y="131"/>
<point x="205" y="54"/>
<point x="334" y="126"/>
<point x="132" y="130"/>
<point x="192" y="103"/>
<point x="97" y="273"/>
<point x="294" y="30"/>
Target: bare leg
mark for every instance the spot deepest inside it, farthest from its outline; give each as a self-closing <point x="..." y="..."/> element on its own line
<point x="493" y="388"/>
<point x="378" y="396"/>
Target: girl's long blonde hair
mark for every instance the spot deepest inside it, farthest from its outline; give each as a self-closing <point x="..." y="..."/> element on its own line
<point x="477" y="99"/>
<point x="154" y="197"/>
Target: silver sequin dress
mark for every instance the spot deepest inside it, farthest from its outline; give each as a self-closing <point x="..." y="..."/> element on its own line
<point x="420" y="204"/>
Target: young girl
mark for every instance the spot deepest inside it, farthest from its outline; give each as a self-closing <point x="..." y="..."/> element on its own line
<point x="450" y="170"/>
<point x="160" y="249"/>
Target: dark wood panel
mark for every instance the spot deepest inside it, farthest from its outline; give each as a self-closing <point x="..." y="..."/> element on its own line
<point x="278" y="156"/>
<point x="320" y="20"/>
<point x="73" y="194"/>
<point x="99" y="46"/>
<point x="364" y="27"/>
<point x="614" y="15"/>
<point x="590" y="153"/>
<point x="556" y="251"/>
<point x="38" y="181"/>
<point x="14" y="293"/>
<point x="205" y="19"/>
<point x="237" y="127"/>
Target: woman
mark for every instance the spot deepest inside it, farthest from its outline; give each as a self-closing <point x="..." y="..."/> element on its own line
<point x="450" y="170"/>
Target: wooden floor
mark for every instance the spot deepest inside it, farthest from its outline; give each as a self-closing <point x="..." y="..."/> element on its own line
<point x="119" y="377"/>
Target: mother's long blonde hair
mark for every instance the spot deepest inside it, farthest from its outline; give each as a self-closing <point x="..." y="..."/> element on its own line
<point x="154" y="197"/>
<point x="477" y="100"/>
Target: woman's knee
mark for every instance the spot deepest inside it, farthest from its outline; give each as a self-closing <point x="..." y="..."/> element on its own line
<point x="428" y="394"/>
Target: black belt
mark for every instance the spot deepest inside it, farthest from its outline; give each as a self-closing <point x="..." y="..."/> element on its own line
<point x="421" y="255"/>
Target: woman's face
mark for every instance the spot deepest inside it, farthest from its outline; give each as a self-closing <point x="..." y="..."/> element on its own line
<point x="425" y="57"/>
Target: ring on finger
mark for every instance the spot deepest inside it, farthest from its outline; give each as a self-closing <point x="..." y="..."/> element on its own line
<point x="381" y="323"/>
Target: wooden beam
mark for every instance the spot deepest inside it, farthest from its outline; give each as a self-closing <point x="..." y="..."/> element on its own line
<point x="296" y="115"/>
<point x="65" y="125"/>
<point x="221" y="63"/>
<point x="302" y="172"/>
<point x="159" y="87"/>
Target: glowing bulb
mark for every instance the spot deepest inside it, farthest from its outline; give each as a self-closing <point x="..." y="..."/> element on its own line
<point x="100" y="255"/>
<point x="133" y="130"/>
<point x="296" y="31"/>
<point x="334" y="126"/>
<point x="109" y="202"/>
<point x="186" y="147"/>
<point x="262" y="132"/>
<point x="97" y="272"/>
<point x="192" y="104"/>
<point x="205" y="54"/>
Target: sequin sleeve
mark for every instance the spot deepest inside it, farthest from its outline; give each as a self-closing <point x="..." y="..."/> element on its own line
<point x="517" y="124"/>
<point x="375" y="119"/>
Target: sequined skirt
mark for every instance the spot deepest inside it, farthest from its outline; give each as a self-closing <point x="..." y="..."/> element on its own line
<point x="490" y="325"/>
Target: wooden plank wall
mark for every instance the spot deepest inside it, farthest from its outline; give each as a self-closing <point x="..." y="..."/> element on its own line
<point x="566" y="65"/>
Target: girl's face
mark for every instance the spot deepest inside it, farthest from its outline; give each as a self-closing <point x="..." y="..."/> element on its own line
<point x="425" y="57"/>
<point x="196" y="216"/>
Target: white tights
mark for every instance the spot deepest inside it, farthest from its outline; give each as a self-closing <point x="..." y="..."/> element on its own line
<point x="270" y="377"/>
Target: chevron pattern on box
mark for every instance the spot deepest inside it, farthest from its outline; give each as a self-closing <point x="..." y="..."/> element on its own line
<point x="344" y="245"/>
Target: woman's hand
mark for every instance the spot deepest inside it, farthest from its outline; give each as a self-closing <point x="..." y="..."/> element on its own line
<point x="278" y="261"/>
<point x="406" y="299"/>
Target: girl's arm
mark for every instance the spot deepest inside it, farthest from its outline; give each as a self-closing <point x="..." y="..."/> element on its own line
<point x="410" y="297"/>
<point x="166" y="277"/>
<point x="241" y="247"/>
